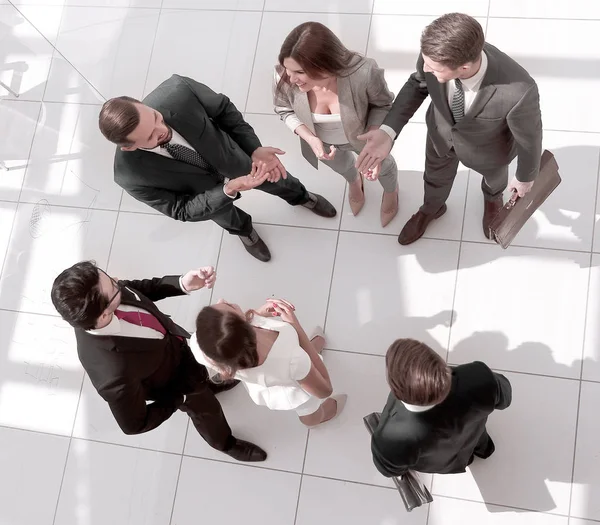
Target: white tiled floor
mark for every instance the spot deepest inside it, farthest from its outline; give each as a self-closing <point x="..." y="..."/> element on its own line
<point x="531" y="311"/>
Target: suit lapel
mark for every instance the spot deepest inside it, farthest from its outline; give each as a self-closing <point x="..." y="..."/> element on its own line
<point x="437" y="91"/>
<point x="347" y="109"/>
<point x="302" y="110"/>
<point x="486" y="90"/>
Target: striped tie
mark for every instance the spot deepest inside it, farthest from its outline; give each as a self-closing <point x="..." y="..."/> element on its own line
<point x="458" y="101"/>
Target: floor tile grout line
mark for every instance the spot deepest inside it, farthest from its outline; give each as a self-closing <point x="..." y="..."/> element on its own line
<point x="187" y="429"/>
<point x="68" y="450"/>
<point x="262" y="16"/>
<point x="316" y="228"/>
<point x="585" y="318"/>
<point x="153" y="46"/>
<point x="525" y="509"/>
<point x="55" y="50"/>
<point x="335" y="253"/>
<point x="301" y="476"/>
<point x="460" y="245"/>
<point x="212" y="290"/>
<point x="575" y="444"/>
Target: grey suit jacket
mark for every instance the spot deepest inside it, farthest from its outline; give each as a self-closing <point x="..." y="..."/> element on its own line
<point x="214" y="127"/>
<point x="364" y="101"/>
<point x="504" y="120"/>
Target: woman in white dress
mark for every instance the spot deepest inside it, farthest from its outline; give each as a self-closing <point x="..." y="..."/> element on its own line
<point x="268" y="350"/>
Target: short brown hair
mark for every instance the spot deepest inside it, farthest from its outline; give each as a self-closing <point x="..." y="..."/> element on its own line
<point x="453" y="40"/>
<point x="318" y="51"/>
<point x="118" y="118"/>
<point x="226" y="339"/>
<point x="416" y="374"/>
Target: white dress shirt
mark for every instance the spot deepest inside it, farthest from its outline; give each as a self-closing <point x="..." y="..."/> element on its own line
<point x="127" y="329"/>
<point x="417" y="408"/>
<point x="176" y="138"/>
<point x="470" y="87"/>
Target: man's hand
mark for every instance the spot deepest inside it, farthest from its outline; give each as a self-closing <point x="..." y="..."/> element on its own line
<point x="266" y="158"/>
<point x="521" y="188"/>
<point x="197" y="279"/>
<point x="378" y="147"/>
<point x="257" y="176"/>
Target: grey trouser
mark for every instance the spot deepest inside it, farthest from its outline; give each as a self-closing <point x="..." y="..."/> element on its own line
<point x="441" y="171"/>
<point x="343" y="163"/>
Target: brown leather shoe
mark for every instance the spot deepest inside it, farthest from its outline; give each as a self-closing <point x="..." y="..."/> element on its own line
<point x="490" y="210"/>
<point x="417" y="224"/>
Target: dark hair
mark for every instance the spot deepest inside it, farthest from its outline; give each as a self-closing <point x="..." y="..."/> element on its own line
<point x="118" y="118"/>
<point x="416" y="374"/>
<point x="453" y="40"/>
<point x="226" y="339"/>
<point x="77" y="296"/>
<point x="318" y="51"/>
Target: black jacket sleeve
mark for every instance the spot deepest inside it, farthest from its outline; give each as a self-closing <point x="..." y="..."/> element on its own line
<point x="408" y="100"/>
<point x="503" y="393"/>
<point x="133" y="415"/>
<point x="224" y="113"/>
<point x="157" y="288"/>
<point x="186" y="208"/>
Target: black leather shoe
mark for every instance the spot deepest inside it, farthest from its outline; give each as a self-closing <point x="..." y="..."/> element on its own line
<point x="320" y="206"/>
<point x="222" y="386"/>
<point x="256" y="247"/>
<point x="248" y="452"/>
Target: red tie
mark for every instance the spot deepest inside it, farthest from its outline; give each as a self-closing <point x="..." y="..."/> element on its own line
<point x="141" y="319"/>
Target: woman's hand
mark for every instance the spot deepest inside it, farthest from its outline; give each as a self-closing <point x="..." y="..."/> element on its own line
<point x="316" y="144"/>
<point x="284" y="310"/>
<point x="266" y="310"/>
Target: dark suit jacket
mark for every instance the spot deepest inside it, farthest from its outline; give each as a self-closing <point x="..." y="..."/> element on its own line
<point x="127" y="371"/>
<point x="442" y="439"/>
<point x="214" y="127"/>
<point x="503" y="121"/>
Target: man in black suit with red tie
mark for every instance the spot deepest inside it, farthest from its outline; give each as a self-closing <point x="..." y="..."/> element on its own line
<point x="133" y="353"/>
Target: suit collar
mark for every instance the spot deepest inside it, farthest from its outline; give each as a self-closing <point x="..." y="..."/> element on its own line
<point x="486" y="90"/>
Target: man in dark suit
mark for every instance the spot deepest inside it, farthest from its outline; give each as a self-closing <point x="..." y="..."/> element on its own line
<point x="434" y="420"/>
<point x="133" y="353"/>
<point x="187" y="152"/>
<point x="484" y="112"/>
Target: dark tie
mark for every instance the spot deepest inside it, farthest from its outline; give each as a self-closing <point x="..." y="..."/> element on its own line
<point x="191" y="156"/>
<point x="458" y="101"/>
<point x="142" y="319"/>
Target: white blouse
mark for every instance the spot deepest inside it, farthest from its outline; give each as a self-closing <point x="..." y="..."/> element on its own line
<point x="328" y="128"/>
<point x="273" y="383"/>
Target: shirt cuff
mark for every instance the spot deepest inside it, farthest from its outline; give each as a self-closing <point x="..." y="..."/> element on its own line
<point x="389" y="131"/>
<point x="181" y="285"/>
<point x="227" y="194"/>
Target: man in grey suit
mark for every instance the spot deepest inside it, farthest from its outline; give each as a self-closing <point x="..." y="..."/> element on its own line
<point x="484" y="112"/>
<point x="188" y="152"/>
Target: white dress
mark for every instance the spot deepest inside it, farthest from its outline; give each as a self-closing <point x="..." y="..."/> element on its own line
<point x="274" y="383"/>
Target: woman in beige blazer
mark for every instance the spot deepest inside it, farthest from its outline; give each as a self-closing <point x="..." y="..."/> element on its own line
<point x="328" y="95"/>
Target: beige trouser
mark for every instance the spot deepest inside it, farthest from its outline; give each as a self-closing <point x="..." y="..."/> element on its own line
<point x="343" y="163"/>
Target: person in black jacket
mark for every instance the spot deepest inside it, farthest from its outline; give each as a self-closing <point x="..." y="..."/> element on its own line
<point x="187" y="152"/>
<point x="133" y="353"/>
<point x="434" y="420"/>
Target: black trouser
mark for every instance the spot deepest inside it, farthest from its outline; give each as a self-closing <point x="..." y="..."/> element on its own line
<point x="201" y="405"/>
<point x="238" y="222"/>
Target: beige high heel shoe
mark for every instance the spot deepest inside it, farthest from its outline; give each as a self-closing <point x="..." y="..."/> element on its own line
<point x="388" y="209"/>
<point x="340" y="402"/>
<point x="357" y="204"/>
